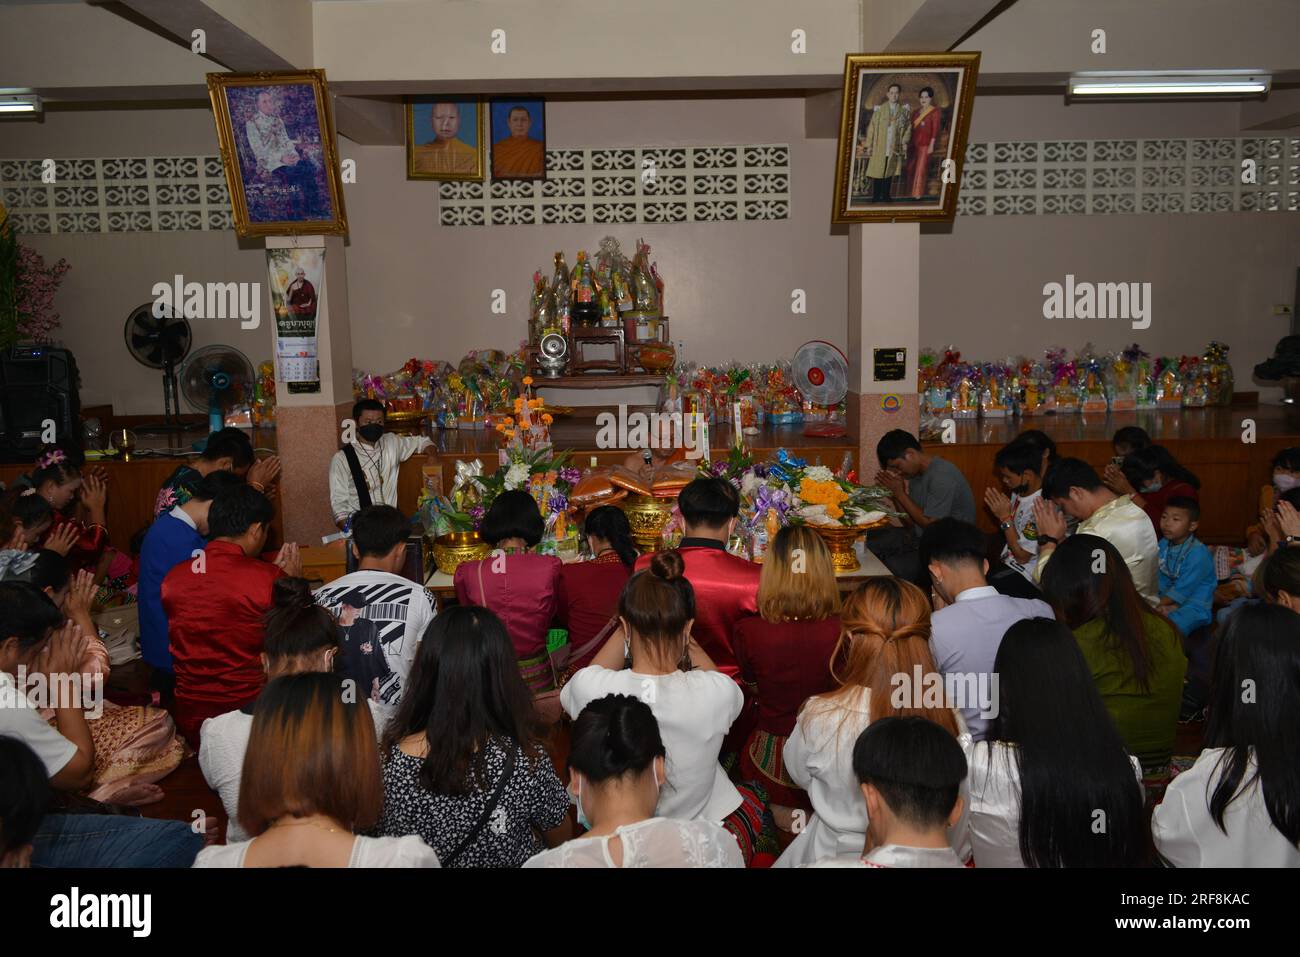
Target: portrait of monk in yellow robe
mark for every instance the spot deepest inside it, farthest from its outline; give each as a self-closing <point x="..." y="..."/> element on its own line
<point x="448" y="154"/>
<point x="518" y="156"/>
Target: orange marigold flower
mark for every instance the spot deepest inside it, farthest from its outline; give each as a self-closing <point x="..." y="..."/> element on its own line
<point x="528" y="380"/>
<point x="547" y="418"/>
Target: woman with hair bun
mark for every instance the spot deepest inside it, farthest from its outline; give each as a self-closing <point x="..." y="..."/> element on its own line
<point x="884" y="645"/>
<point x="653" y="657"/>
<point x="616" y="774"/>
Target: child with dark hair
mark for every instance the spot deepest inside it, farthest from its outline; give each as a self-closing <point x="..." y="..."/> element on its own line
<point x="24" y="795"/>
<point x="617" y="770"/>
<point x="1187" y="577"/>
<point x="1019" y="468"/>
<point x="910" y="772"/>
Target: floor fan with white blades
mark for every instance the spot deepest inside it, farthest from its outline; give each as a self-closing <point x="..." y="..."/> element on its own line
<point x="821" y="374"/>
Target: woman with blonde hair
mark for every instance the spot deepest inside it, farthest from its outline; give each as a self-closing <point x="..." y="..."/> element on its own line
<point x="883" y="647"/>
<point x="784" y="653"/>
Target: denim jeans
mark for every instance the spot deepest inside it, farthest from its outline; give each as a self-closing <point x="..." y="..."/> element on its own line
<point x="105" y="840"/>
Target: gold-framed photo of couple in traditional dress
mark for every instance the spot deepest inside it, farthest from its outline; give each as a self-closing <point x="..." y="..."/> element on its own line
<point x="902" y="141"/>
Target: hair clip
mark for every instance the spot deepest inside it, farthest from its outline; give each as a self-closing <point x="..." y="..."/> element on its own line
<point x="28" y="491"/>
<point x="50" y="458"/>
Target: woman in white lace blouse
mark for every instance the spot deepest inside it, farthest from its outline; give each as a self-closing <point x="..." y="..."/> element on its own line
<point x="616" y="771"/>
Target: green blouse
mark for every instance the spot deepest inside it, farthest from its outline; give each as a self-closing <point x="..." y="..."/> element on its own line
<point x="1147" y="721"/>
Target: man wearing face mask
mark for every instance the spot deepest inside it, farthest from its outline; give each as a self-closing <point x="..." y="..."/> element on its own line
<point x="364" y="471"/>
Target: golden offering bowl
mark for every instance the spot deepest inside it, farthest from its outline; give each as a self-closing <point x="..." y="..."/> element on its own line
<point x="405" y="422"/>
<point x="839" y="540"/>
<point x="455" y="548"/>
<point x="647" y="515"/>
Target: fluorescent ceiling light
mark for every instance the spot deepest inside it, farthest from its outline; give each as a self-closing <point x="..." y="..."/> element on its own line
<point x="1228" y="83"/>
<point x="12" y="102"/>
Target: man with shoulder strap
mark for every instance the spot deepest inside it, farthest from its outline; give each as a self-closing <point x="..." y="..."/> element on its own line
<point x="364" y="471"/>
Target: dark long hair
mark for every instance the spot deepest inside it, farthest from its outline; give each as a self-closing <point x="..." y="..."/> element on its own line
<point x="464" y="691"/>
<point x="1079" y="594"/>
<point x="1069" y="754"/>
<point x="1141" y="464"/>
<point x="1255" y="706"/>
<point x="296" y="625"/>
<point x="610" y="524"/>
<point x="21" y="506"/>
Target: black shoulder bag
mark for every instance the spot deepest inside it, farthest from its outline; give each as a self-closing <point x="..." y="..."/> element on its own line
<point x="358" y="476"/>
<point x="488" y="808"/>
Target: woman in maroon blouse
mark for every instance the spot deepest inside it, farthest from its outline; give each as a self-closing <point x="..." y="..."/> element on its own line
<point x="1152" y="476"/>
<point x="589" y="590"/>
<point x="785" y="654"/>
<point x="520" y="587"/>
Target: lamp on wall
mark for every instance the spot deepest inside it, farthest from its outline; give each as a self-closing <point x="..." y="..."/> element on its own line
<point x="17" y="103"/>
<point x="1228" y="84"/>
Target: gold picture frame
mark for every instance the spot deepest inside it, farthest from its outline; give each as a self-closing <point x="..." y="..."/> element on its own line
<point x="903" y="136"/>
<point x="285" y="181"/>
<point x="454" y="160"/>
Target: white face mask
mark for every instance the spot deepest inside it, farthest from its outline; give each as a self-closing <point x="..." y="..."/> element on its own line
<point x="1284" y="483"/>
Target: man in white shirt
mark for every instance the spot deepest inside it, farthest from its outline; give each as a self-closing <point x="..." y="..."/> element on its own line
<point x="364" y="471"/>
<point x="382" y="616"/>
<point x="910" y="771"/>
<point x="967" y="630"/>
<point x="1074" y="488"/>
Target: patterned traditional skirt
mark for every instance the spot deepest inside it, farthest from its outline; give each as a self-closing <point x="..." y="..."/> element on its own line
<point x="537" y="673"/>
<point x="751" y="823"/>
<point x="761" y="760"/>
<point x="134" y="746"/>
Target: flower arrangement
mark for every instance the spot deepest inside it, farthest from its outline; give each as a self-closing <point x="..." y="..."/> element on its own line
<point x="530" y="425"/>
<point x="27" y="289"/>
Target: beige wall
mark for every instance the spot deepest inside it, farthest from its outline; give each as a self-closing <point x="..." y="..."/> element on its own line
<point x="415" y="288"/>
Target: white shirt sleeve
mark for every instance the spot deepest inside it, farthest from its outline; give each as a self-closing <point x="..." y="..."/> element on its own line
<point x="343" y="493"/>
<point x="582" y="689"/>
<point x="25" y="724"/>
<point x="1172" y="831"/>
<point x="408" y="445"/>
<point x="798" y="753"/>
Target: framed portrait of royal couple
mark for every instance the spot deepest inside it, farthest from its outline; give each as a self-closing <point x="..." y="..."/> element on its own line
<point x="902" y="140"/>
<point x="277" y="146"/>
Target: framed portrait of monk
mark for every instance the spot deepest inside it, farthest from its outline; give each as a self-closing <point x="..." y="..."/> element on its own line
<point x="445" y="139"/>
<point x="902" y="140"/>
<point x="277" y="147"/>
<point x="518" y="139"/>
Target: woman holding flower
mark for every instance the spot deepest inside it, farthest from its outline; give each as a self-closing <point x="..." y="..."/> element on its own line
<point x="520" y="587"/>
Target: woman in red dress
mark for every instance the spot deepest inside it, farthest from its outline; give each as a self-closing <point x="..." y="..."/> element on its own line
<point x="589" y="590"/>
<point x="785" y="655"/>
<point x="520" y="587"/>
<point x="79" y="503"/>
<point x="926" y="124"/>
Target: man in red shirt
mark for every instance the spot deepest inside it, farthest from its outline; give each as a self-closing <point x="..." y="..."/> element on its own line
<point x="215" y="605"/>
<point x="726" y="587"/>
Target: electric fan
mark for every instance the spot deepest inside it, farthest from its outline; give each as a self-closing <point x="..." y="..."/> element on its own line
<point x="821" y="374"/>
<point x="218" y="380"/>
<point x="159" y="340"/>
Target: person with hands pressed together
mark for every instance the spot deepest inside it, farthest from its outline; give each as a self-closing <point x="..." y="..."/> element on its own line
<point x="216" y="604"/>
<point x="1019" y="467"/>
<point x="926" y="488"/>
<point x="1150" y="477"/>
<point x="1072" y="487"/>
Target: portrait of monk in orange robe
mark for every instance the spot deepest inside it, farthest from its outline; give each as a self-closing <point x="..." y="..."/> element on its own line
<point x="518" y="156"/>
<point x="448" y="154"/>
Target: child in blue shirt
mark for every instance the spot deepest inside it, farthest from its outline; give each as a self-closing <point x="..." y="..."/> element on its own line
<point x="1187" y="576"/>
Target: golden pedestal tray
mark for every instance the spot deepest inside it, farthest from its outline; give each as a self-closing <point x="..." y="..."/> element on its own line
<point x="839" y="541"/>
<point x="647" y="515"/>
<point x="455" y="548"/>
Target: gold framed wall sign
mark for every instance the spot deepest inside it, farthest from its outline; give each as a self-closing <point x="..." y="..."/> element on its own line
<point x="277" y="146"/>
<point x="446" y="139"/>
<point x="902" y="141"/>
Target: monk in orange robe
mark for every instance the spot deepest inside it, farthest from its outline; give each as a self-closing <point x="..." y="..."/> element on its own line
<point x="519" y="155"/>
<point x="447" y="154"/>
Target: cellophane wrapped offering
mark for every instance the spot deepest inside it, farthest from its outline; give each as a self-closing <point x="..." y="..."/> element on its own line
<point x="1196" y="382"/>
<point x="1122" y="376"/>
<point x="1220" y="373"/>
<point x="1169" y="384"/>
<point x="964" y="385"/>
<point x="1092" y="382"/>
<point x="995" y="391"/>
<point x="1065" y="383"/>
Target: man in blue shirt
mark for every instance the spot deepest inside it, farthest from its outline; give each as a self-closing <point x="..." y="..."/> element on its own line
<point x="174" y="537"/>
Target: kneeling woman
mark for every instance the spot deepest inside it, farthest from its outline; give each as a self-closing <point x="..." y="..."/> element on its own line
<point x="616" y="774"/>
<point x="693" y="703"/>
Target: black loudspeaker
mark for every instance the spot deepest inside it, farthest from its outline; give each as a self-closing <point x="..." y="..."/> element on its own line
<point x="37" y="384"/>
<point x="412" y="568"/>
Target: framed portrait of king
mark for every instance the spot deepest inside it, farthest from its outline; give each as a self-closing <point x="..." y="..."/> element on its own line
<point x="902" y="140"/>
<point x="445" y="139"/>
<point x="278" y="150"/>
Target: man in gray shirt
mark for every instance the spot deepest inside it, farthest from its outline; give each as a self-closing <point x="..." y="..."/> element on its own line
<point x="967" y="630"/>
<point x="926" y="488"/>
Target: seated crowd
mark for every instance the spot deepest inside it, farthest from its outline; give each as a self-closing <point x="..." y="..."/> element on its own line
<point x="1008" y="703"/>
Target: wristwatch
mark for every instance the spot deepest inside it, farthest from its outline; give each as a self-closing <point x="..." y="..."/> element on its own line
<point x="1048" y="540"/>
<point x="1291" y="540"/>
<point x="1006" y="525"/>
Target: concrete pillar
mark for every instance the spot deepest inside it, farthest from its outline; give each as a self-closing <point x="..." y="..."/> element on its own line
<point x="307" y="424"/>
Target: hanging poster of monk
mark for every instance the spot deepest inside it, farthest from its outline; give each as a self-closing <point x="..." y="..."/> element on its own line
<point x="445" y="140"/>
<point x="297" y="280"/>
<point x="902" y="139"/>
<point x="277" y="147"/>
<point x="518" y="139"/>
